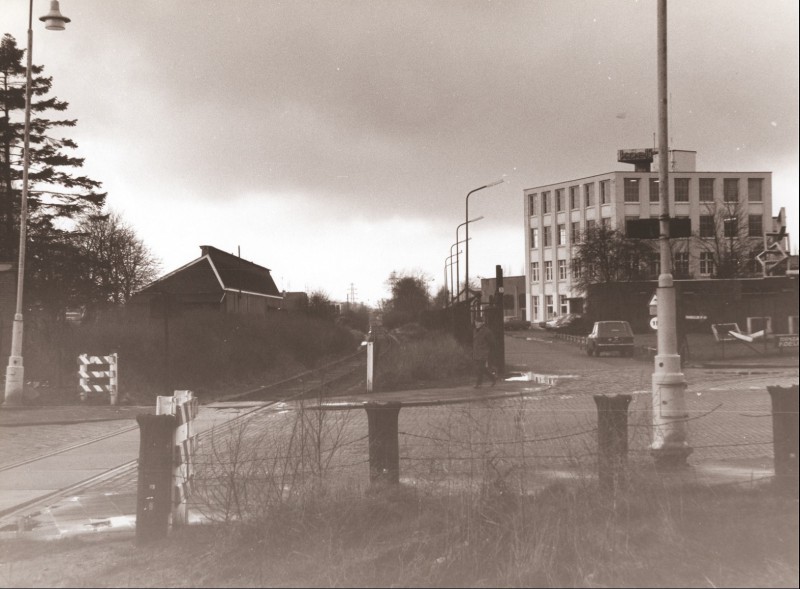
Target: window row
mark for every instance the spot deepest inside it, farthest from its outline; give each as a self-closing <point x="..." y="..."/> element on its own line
<point x="558" y="233"/>
<point x="550" y="302"/>
<point x="650" y="267"/>
<point x="557" y="200"/>
<point x="681" y="188"/>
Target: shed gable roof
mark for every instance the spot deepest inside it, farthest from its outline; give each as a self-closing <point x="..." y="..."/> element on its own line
<point x="218" y="271"/>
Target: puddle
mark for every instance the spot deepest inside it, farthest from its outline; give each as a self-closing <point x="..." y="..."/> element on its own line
<point x="538" y="378"/>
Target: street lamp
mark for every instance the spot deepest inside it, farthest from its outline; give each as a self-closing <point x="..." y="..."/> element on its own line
<point x="15" y="373"/>
<point x="456" y="256"/>
<point x="466" y="265"/>
<point x="458" y="270"/>
<point x="669" y="447"/>
<point x="448" y="261"/>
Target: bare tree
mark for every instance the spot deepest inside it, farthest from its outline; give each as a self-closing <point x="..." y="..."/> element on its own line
<point x="724" y="234"/>
<point x="606" y="255"/>
<point x="119" y="262"/>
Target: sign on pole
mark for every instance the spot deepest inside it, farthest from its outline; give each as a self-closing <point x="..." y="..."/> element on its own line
<point x="654" y="323"/>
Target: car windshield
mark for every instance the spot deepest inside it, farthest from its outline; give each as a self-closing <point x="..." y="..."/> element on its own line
<point x="614" y="328"/>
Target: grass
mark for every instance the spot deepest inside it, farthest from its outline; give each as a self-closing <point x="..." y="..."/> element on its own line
<point x="423" y="359"/>
<point x="563" y="536"/>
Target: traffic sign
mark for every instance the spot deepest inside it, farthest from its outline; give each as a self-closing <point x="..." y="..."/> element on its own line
<point x="654" y="323"/>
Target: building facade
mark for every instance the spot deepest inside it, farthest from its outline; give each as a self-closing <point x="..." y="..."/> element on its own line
<point x="712" y="204"/>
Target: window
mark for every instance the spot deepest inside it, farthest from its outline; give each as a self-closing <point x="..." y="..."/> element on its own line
<point x="575" y="236"/>
<point x="681" y="189"/>
<point x="545" y="202"/>
<point x="605" y="192"/>
<point x="631" y="189"/>
<point x="548" y="299"/>
<point x="731" y="226"/>
<point x="706" y="263"/>
<point x="562" y="269"/>
<point x="707" y="228"/>
<point x="548" y="271"/>
<point x="754" y="189"/>
<point x="534" y="307"/>
<point x="590" y="223"/>
<point x="730" y="189"/>
<point x="605" y="221"/>
<point x="535" y="272"/>
<point x="562" y="235"/>
<point x="563" y="304"/>
<point x="576" y="270"/>
<point x="654" y="264"/>
<point x="534" y="238"/>
<point x="574" y="203"/>
<point x="588" y="194"/>
<point x="654" y="190"/>
<point x="559" y="199"/>
<point x="681" y="264"/>
<point x="706" y="190"/>
<point x="755" y="226"/>
<point x="548" y="236"/>
<point x="532" y="204"/>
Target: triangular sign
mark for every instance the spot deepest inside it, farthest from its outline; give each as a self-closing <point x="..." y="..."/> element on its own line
<point x="653" y="302"/>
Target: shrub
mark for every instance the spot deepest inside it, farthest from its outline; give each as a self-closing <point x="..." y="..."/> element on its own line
<point x="424" y="357"/>
<point x="204" y="351"/>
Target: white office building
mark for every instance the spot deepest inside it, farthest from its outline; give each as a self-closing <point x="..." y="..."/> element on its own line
<point x="557" y="214"/>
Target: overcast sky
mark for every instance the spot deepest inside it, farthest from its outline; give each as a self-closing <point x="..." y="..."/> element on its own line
<point x="335" y="141"/>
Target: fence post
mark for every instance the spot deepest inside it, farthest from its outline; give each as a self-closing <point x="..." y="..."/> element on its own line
<point x="154" y="486"/>
<point x="113" y="377"/>
<point x="384" y="445"/>
<point x="612" y="439"/>
<point x="785" y="434"/>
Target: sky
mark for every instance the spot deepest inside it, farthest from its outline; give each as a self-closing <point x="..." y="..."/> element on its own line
<point x="335" y="141"/>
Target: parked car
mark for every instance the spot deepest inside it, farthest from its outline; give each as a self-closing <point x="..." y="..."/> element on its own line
<point x="574" y="323"/>
<point x="610" y="336"/>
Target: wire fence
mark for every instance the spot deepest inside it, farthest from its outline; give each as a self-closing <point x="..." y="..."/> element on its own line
<point x="520" y="444"/>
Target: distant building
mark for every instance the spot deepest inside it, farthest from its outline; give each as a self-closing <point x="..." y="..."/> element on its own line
<point x="514" y="295"/>
<point x="216" y="280"/>
<point x="295" y="301"/>
<point x="557" y="214"/>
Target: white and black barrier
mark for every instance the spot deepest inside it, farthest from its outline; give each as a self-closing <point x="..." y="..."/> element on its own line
<point x="166" y="469"/>
<point x="99" y="374"/>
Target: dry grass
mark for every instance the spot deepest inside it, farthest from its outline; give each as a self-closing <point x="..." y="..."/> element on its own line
<point x="562" y="536"/>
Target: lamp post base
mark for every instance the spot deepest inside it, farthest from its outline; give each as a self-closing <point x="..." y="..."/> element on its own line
<point x="15" y="379"/>
<point x="670" y="447"/>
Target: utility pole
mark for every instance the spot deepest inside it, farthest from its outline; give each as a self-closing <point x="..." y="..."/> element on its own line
<point x="669" y="447"/>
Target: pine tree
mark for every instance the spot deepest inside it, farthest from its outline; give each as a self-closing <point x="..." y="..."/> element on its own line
<point x="59" y="197"/>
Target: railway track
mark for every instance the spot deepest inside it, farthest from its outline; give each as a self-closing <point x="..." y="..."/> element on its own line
<point x="338" y="377"/>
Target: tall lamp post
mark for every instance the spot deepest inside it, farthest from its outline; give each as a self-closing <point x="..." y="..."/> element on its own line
<point x="448" y="261"/>
<point x="670" y="447"/>
<point x="466" y="256"/>
<point x="458" y="270"/>
<point x="15" y="373"/>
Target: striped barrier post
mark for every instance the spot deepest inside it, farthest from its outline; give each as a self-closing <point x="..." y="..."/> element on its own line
<point x="183" y="405"/>
<point x="98" y="374"/>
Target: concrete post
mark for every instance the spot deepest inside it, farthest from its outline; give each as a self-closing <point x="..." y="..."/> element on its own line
<point x="785" y="427"/>
<point x="384" y="445"/>
<point x="154" y="486"/>
<point x="670" y="447"/>
<point x="612" y="439"/>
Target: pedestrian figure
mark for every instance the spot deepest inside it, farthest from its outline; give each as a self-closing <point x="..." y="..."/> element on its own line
<point x="482" y="347"/>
